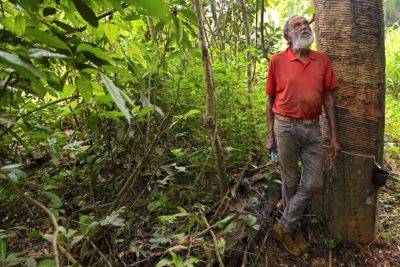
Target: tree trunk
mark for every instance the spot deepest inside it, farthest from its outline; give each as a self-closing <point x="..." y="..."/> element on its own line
<point x="248" y="44"/>
<point x="264" y="50"/>
<point x="351" y="32"/>
<point x="209" y="116"/>
<point x="214" y="12"/>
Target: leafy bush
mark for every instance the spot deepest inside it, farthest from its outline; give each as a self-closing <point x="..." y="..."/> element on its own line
<point x="393" y="60"/>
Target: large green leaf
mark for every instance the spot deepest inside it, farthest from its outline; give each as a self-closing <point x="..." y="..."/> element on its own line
<point x="116" y="95"/>
<point x="157" y="8"/>
<point x="33" y="5"/>
<point x="86" y="12"/>
<point x="24" y="69"/>
<point x="135" y="54"/>
<point x="45" y="38"/>
<point x="21" y="66"/>
<point x="95" y="51"/>
<point x="40" y="53"/>
<point x="19" y="24"/>
<point x="85" y="88"/>
<point x="111" y="31"/>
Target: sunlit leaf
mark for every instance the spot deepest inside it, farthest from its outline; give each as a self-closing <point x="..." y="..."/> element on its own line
<point x="21" y="66"/>
<point x="189" y="14"/>
<point x="135" y="53"/>
<point x="157" y="8"/>
<point x="86" y="12"/>
<point x="111" y="31"/>
<point x="40" y="53"/>
<point x="19" y="24"/>
<point x="309" y="10"/>
<point x="178" y="152"/>
<point x="178" y="30"/>
<point x="24" y="69"/>
<point x="85" y="88"/>
<point x="116" y="95"/>
<point x="68" y="90"/>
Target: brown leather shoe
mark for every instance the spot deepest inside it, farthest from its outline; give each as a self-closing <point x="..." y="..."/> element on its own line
<point x="300" y="241"/>
<point x="285" y="239"/>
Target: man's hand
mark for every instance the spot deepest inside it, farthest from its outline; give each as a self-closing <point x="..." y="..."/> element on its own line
<point x="271" y="143"/>
<point x="335" y="148"/>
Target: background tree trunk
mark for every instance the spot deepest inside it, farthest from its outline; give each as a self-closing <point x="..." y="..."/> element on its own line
<point x="209" y="116"/>
<point x="248" y="44"/>
<point x="351" y="32"/>
<point x="264" y="49"/>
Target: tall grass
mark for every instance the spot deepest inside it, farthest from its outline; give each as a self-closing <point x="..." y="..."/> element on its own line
<point x="392" y="41"/>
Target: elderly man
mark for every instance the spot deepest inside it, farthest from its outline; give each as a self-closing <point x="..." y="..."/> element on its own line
<point x="299" y="84"/>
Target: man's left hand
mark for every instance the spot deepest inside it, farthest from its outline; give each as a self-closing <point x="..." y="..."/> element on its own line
<point x="336" y="148"/>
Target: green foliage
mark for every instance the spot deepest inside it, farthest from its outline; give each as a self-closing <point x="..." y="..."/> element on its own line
<point x="392" y="123"/>
<point x="392" y="41"/>
<point x="85" y="96"/>
<point x="12" y="259"/>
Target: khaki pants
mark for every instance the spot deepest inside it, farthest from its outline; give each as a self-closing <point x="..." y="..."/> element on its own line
<point x="296" y="141"/>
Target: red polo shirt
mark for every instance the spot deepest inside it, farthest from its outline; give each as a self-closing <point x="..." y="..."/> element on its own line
<point x="298" y="87"/>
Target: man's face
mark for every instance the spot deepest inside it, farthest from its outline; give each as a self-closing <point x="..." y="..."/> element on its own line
<point x="299" y="33"/>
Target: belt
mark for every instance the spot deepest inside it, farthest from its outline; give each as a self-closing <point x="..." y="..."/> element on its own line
<point x="314" y="121"/>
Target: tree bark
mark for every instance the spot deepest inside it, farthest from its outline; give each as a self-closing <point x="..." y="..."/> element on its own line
<point x="248" y="44"/>
<point x="209" y="116"/>
<point x="351" y="33"/>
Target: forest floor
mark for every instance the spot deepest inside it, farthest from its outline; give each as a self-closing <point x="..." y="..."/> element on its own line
<point x="24" y="228"/>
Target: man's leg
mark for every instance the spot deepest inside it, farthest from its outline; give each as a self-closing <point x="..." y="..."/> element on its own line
<point x="288" y="152"/>
<point x="311" y="155"/>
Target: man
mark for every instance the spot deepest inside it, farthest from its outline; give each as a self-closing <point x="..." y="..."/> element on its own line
<point x="299" y="84"/>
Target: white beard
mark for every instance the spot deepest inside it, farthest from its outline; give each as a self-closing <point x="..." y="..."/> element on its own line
<point x="302" y="42"/>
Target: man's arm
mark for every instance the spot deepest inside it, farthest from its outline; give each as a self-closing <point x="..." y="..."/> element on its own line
<point x="271" y="143"/>
<point x="329" y="106"/>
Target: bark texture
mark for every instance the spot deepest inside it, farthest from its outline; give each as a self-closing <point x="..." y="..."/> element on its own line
<point x="209" y="116"/>
<point x="351" y="33"/>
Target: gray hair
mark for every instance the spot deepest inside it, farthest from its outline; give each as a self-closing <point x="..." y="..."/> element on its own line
<point x="286" y="26"/>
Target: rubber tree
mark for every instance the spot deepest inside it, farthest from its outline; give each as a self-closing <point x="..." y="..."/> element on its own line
<point x="351" y="32"/>
<point x="209" y="116"/>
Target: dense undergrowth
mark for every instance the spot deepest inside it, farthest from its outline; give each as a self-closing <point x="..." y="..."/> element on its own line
<point x="101" y="121"/>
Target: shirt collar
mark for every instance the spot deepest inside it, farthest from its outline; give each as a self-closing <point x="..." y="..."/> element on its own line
<point x="291" y="56"/>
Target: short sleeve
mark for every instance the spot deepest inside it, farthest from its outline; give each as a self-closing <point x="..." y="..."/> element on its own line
<point x="270" y="87"/>
<point x="330" y="81"/>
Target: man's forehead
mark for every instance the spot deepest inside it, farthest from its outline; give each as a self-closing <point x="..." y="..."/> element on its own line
<point x="297" y="19"/>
